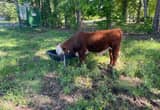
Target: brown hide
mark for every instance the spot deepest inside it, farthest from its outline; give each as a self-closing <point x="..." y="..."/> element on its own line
<point x="95" y="42"/>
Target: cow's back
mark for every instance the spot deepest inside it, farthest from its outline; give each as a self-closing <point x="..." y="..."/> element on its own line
<point x="100" y="40"/>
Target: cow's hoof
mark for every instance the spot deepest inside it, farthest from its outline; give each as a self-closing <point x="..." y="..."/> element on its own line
<point x="110" y="66"/>
<point x="79" y="65"/>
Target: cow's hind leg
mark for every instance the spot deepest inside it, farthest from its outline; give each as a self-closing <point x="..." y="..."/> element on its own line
<point x="115" y="51"/>
<point x="111" y="56"/>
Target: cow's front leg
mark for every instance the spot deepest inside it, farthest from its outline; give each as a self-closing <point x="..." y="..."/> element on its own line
<point x="81" y="56"/>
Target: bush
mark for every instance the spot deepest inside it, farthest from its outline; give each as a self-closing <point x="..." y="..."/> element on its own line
<point x="9" y="11"/>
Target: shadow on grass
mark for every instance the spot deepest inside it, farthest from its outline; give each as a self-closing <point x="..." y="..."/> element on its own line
<point x="3" y="33"/>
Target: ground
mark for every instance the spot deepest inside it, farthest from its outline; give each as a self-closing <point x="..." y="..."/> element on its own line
<point x="30" y="80"/>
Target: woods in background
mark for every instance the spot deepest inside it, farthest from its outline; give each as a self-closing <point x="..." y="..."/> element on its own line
<point x="70" y="13"/>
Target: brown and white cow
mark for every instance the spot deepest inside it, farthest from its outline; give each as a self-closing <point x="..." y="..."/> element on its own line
<point x="97" y="41"/>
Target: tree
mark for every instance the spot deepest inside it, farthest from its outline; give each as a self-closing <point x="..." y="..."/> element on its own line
<point x="106" y="11"/>
<point x="45" y="12"/>
<point x="55" y="14"/>
<point x="139" y="11"/>
<point x="156" y="17"/>
<point x="78" y="12"/>
<point x="69" y="13"/>
<point x="124" y="10"/>
<point x="145" y="4"/>
<point x="17" y="8"/>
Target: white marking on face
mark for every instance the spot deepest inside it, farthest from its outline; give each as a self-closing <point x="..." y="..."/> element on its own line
<point x="59" y="50"/>
<point x="77" y="54"/>
<point x="109" y="48"/>
<point x="86" y="52"/>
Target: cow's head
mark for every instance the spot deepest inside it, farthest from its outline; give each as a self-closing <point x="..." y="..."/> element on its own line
<point x="61" y="49"/>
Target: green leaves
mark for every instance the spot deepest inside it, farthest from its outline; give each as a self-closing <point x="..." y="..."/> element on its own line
<point x="8" y="10"/>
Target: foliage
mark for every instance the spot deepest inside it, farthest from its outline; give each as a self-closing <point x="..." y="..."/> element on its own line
<point x="71" y="13"/>
<point x="8" y="10"/>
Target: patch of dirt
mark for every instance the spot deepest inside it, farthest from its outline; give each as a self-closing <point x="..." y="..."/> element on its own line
<point x="124" y="98"/>
<point x="51" y="86"/>
<point x="52" y="97"/>
<point x="106" y="70"/>
<point x="132" y="81"/>
<point x="126" y="103"/>
<point x="23" y="108"/>
<point x="140" y="102"/>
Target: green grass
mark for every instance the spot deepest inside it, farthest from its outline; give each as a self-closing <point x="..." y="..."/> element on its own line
<point x="142" y="59"/>
<point x="8" y="21"/>
<point x="24" y="63"/>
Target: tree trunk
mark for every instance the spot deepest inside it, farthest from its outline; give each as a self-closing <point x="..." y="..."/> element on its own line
<point x="145" y="8"/>
<point x="46" y="13"/>
<point x="108" y="21"/>
<point x="156" y="17"/>
<point x="66" y="15"/>
<point x="78" y="15"/>
<point x="139" y="11"/>
<point x="17" y="8"/>
<point x="124" y="10"/>
<point x="37" y="2"/>
<point x="108" y="12"/>
<point x="56" y="20"/>
<point x="65" y="20"/>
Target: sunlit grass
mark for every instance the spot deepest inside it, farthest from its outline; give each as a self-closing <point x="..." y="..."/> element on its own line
<point x="10" y="43"/>
<point x="18" y="99"/>
<point x="83" y="82"/>
<point x="2" y="53"/>
<point x="42" y="54"/>
<point x="101" y="59"/>
<point x="3" y="29"/>
<point x="5" y="105"/>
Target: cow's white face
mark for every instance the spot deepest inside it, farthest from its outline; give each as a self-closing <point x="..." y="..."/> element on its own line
<point x="59" y="50"/>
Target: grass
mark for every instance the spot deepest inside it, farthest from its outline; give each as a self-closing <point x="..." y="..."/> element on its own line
<point x="24" y="64"/>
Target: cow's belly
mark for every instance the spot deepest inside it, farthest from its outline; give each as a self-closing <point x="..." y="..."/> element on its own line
<point x="97" y="47"/>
